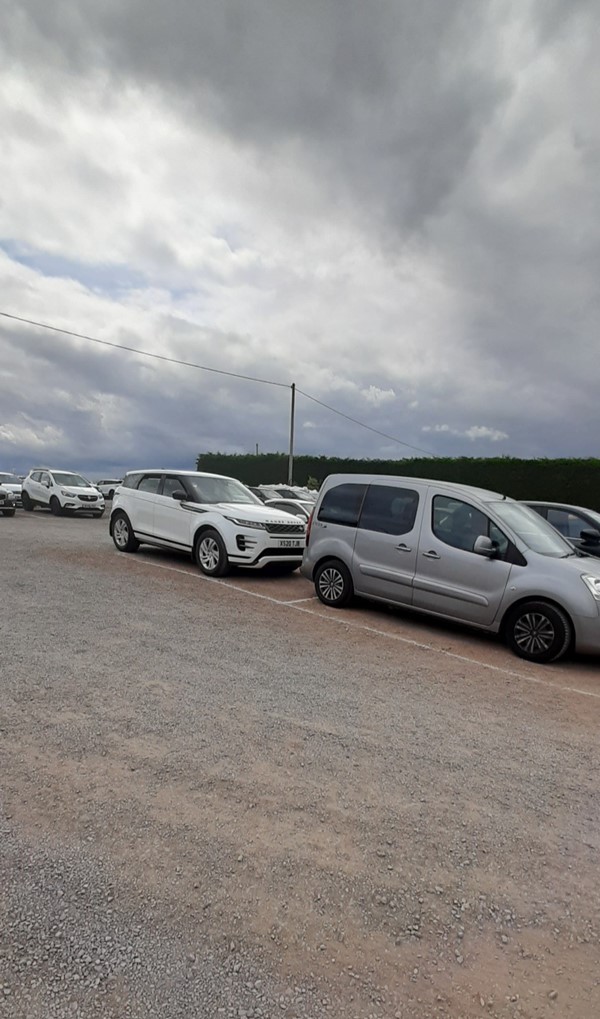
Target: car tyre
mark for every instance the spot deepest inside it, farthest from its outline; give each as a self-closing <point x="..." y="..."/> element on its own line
<point x="8" y="513"/>
<point x="211" y="555"/>
<point x="27" y="502"/>
<point x="333" y="583"/>
<point x="111" y="494"/>
<point x="539" y="632"/>
<point x="122" y="533"/>
<point x="55" y="507"/>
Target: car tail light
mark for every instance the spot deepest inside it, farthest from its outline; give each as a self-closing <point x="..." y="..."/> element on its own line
<point x="308" y="527"/>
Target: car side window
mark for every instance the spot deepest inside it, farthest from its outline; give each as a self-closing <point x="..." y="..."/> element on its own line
<point x="35" y="476"/>
<point x="458" y="524"/>
<point x="341" y="504"/>
<point x="44" y="478"/>
<point x="171" y="485"/>
<point x="389" y="510"/>
<point x="149" y="483"/>
<point x="569" y="524"/>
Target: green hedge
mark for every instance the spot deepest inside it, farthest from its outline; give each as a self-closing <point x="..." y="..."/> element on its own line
<point x="573" y="481"/>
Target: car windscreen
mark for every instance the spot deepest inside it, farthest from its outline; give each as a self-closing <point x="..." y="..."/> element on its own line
<point x="532" y="529"/>
<point x="9" y="479"/>
<point x="72" y="480"/>
<point x="214" y="490"/>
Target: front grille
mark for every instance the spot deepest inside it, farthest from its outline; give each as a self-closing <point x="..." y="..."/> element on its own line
<point x="286" y="528"/>
<point x="88" y="498"/>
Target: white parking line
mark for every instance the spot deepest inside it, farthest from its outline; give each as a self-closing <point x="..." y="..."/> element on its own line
<point x="362" y="626"/>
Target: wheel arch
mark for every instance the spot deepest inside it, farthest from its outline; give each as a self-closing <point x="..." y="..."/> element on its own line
<point x="330" y="557"/>
<point x="114" y="514"/>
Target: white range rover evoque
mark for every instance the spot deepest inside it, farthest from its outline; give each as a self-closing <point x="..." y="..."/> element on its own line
<point x="214" y="518"/>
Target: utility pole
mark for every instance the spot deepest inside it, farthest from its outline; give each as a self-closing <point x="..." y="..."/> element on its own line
<point x="290" y="479"/>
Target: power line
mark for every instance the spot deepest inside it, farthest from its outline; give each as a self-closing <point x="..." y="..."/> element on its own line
<point x="384" y="435"/>
<point x="216" y="371"/>
<point x="144" y="353"/>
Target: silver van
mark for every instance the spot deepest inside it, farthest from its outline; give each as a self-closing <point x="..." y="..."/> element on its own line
<point x="456" y="552"/>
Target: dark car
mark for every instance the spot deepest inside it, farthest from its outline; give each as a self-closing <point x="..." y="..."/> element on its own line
<point x="581" y="527"/>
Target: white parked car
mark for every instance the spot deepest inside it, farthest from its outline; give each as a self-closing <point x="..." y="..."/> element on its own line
<point x="215" y="519"/>
<point x="108" y="486"/>
<point x="61" y="492"/>
<point x="13" y="484"/>
<point x="7" y="502"/>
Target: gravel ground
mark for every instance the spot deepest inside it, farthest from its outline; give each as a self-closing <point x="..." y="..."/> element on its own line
<point x="216" y="804"/>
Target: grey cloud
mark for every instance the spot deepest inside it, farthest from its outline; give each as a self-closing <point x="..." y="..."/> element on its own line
<point x="383" y="101"/>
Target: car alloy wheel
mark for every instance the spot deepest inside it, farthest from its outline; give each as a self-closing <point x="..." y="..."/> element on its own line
<point x="539" y="632"/>
<point x="122" y="534"/>
<point x="333" y="583"/>
<point x="211" y="554"/>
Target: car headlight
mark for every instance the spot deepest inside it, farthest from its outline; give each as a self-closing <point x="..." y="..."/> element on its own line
<point x="593" y="583"/>
<point x="246" y="523"/>
<point x="69" y="495"/>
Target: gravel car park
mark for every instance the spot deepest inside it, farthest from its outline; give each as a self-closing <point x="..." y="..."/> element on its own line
<point x="221" y="798"/>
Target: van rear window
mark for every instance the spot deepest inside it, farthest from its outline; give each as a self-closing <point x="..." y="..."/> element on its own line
<point x="341" y="505"/>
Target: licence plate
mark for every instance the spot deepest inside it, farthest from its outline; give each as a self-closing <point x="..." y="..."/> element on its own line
<point x="290" y="543"/>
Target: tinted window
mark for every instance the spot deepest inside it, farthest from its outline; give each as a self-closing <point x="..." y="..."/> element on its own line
<point x="149" y="483"/>
<point x="172" y="485"/>
<point x="389" y="509"/>
<point x="457" y="523"/>
<point x="341" y="505"/>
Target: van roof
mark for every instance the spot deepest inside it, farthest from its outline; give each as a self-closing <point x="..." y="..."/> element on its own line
<point x="483" y="494"/>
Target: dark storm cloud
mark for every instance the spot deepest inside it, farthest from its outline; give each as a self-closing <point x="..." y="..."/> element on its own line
<point x="367" y="92"/>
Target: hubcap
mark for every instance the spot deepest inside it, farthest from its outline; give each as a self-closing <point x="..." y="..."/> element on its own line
<point x="121" y="532"/>
<point x="331" y="584"/>
<point x="534" y="633"/>
<point x="208" y="553"/>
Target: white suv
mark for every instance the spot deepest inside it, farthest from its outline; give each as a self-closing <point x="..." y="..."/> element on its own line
<point x="108" y="487"/>
<point x="214" y="518"/>
<point x="61" y="492"/>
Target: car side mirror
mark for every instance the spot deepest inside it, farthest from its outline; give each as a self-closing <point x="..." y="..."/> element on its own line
<point x="485" y="546"/>
<point x="590" y="537"/>
<point x="179" y="496"/>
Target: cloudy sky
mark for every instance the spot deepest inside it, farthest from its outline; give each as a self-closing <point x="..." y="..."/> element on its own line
<point x="393" y="204"/>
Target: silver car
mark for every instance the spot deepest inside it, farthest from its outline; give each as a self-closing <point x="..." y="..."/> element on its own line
<point x="456" y="552"/>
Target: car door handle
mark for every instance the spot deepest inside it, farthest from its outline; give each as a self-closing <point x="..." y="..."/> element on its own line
<point x="431" y="555"/>
<point x="403" y="548"/>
